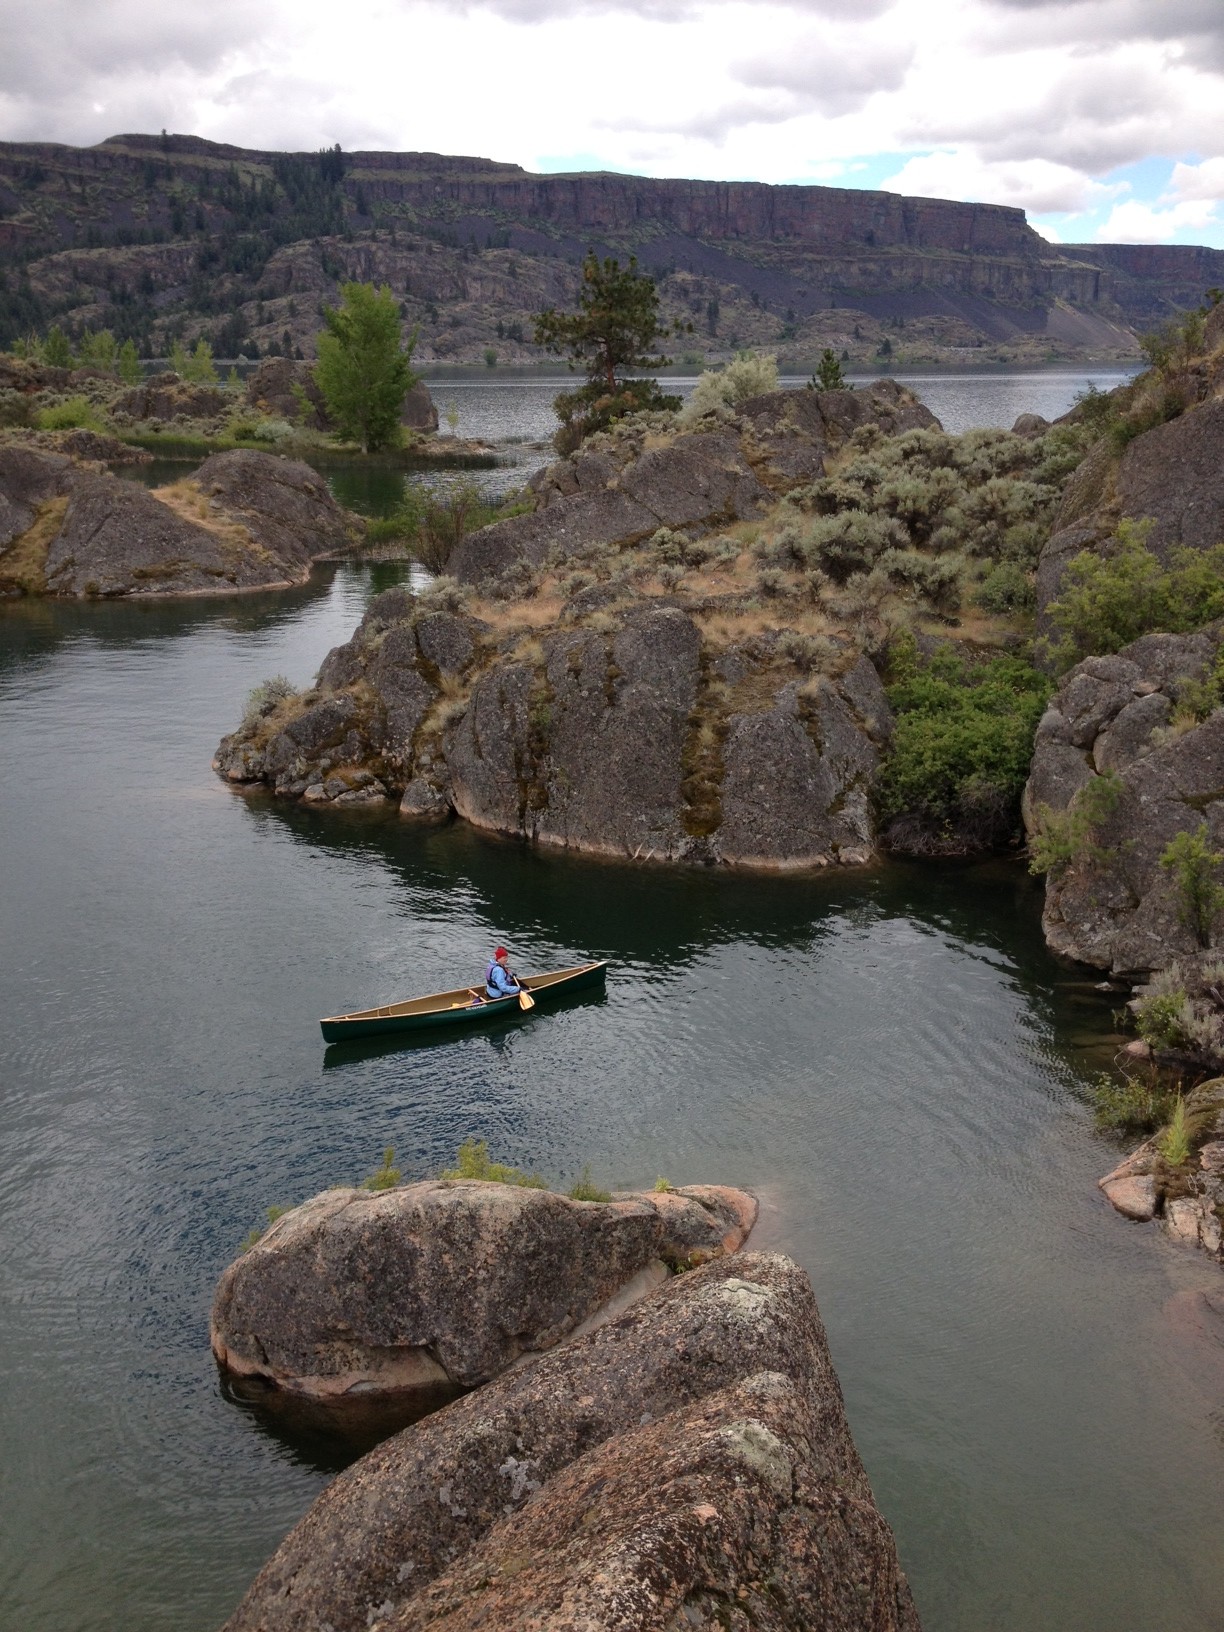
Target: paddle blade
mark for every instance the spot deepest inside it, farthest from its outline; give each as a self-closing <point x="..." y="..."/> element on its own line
<point x="526" y="1001"/>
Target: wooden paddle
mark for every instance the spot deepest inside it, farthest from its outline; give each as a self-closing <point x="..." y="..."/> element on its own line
<point x="526" y="1001"/>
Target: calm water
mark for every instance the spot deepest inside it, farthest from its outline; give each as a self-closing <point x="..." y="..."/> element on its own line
<point x="499" y="407"/>
<point x="890" y="1058"/>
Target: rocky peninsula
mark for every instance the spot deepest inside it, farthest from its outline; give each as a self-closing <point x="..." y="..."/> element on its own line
<point x="242" y="520"/>
<point x="650" y="1431"/>
<point x="649" y="664"/>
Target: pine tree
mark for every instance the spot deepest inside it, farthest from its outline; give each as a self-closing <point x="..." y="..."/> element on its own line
<point x="614" y="329"/>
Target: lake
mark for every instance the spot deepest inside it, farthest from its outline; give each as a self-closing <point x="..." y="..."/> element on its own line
<point x="890" y="1057"/>
<point x="514" y="413"/>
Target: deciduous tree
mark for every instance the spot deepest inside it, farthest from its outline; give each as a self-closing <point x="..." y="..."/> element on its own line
<point x="365" y="366"/>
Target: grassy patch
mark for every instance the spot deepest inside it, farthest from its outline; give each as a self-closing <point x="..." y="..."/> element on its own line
<point x="474" y="1162"/>
<point x="24" y="563"/>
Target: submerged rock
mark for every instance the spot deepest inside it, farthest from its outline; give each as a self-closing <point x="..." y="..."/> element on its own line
<point x="687" y="1465"/>
<point x="244" y="520"/>
<point x="427" y="1289"/>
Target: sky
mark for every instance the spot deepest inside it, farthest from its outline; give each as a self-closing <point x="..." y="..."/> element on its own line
<point x="1103" y="119"/>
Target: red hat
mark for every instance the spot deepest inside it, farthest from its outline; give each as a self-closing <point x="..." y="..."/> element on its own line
<point x="500" y="952"/>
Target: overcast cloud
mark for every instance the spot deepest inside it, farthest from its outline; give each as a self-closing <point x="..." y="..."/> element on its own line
<point x="1102" y="118"/>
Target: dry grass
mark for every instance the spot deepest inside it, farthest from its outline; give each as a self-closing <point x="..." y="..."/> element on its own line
<point x="191" y="505"/>
<point x="24" y="562"/>
<point x="506" y="618"/>
<point x="729" y="627"/>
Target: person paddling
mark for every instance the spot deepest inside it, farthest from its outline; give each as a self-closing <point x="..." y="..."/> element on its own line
<point x="500" y="981"/>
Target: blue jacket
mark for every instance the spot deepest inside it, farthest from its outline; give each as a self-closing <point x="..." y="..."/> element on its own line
<point x="499" y="982"/>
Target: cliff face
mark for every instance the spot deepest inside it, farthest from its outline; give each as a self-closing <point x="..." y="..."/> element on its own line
<point x="155" y="235"/>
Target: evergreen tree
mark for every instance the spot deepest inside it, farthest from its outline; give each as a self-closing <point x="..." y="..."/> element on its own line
<point x="828" y="376"/>
<point x="365" y="366"/>
<point x="615" y="328"/>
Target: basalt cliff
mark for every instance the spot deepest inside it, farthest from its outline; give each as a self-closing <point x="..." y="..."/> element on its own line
<point x="157" y="236"/>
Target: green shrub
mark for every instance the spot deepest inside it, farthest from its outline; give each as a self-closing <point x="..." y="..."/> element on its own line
<point x="1130" y="1106"/>
<point x="1063" y="837"/>
<point x="939" y="579"/>
<point x="1192" y="863"/>
<point x="721" y="390"/>
<point x="662" y="1187"/>
<point x="851" y="542"/>
<point x="1107" y="600"/>
<point x="77" y="413"/>
<point x="587" y="1190"/>
<point x="264" y="697"/>
<point x="1007" y="589"/>
<point x="1160" y="1010"/>
<point x="385" y="1177"/>
<point x="963" y="738"/>
<point x="1174" y="1143"/>
<point x="473" y="1162"/>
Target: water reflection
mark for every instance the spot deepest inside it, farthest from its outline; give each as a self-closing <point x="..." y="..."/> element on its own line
<point x="889" y="1056"/>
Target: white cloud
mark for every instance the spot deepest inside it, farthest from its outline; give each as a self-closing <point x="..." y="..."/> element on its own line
<point x="1192" y="181"/>
<point x="1031" y="184"/>
<point x="1136" y="223"/>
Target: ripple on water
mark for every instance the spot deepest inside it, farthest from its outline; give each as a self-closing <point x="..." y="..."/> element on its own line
<point x="889" y="1057"/>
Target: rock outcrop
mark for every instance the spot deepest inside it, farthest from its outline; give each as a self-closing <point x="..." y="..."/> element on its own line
<point x="625" y="725"/>
<point x="1171" y="476"/>
<point x="627" y="741"/>
<point x="1114" y="906"/>
<point x="616" y="491"/>
<point x="416" y="1293"/>
<point x="687" y="1465"/>
<point x="1188" y="1200"/>
<point x="164" y="397"/>
<point x="245" y="520"/>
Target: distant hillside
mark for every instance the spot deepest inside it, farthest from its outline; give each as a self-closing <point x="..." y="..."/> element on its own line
<point x="171" y="237"/>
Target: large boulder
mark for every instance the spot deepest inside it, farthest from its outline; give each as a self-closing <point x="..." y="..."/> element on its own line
<point x="434" y="1287"/>
<point x="1115" y="906"/>
<point x="29" y="479"/>
<point x="286" y="390"/>
<point x="245" y="520"/>
<point x="687" y="1465"/>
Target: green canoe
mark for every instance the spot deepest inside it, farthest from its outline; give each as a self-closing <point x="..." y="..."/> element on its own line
<point x="457" y="1008"/>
